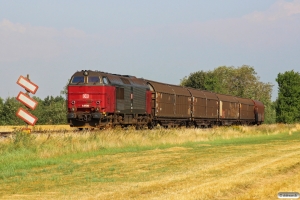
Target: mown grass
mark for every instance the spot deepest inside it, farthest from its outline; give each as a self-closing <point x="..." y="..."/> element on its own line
<point x="139" y="162"/>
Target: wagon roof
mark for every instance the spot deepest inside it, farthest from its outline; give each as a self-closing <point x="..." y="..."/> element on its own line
<point x="223" y="97"/>
<point x="245" y="101"/>
<point x="167" y="88"/>
<point x="258" y="104"/>
<point x="202" y="93"/>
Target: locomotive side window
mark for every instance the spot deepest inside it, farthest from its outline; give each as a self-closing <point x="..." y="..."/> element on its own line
<point x="93" y="79"/>
<point x="78" y="79"/>
<point x="105" y="80"/>
<point x="120" y="93"/>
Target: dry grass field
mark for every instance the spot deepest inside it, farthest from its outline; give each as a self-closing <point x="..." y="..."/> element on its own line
<point x="220" y="163"/>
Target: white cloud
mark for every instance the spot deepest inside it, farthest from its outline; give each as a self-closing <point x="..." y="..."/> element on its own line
<point x="6" y="25"/>
<point x="19" y="41"/>
<point x="24" y="41"/>
<point x="74" y="33"/>
<point x="278" y="11"/>
<point x="277" y="26"/>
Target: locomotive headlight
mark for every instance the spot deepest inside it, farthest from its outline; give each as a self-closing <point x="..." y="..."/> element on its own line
<point x="72" y="102"/>
<point x="85" y="73"/>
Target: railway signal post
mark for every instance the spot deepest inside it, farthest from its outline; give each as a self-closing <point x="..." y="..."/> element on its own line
<point x="29" y="102"/>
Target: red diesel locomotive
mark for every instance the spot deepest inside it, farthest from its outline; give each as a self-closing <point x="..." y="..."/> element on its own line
<point x="99" y="100"/>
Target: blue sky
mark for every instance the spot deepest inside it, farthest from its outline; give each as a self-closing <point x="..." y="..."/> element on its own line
<point x="159" y="40"/>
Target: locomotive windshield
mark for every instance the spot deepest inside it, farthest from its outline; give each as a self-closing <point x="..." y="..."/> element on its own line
<point x="77" y="79"/>
<point x="93" y="79"/>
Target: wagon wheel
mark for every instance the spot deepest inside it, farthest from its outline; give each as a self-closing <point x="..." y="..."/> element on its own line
<point x="150" y="125"/>
<point x="182" y="125"/>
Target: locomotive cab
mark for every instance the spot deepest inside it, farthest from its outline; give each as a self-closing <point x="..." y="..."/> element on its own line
<point x="90" y="97"/>
<point x="88" y="79"/>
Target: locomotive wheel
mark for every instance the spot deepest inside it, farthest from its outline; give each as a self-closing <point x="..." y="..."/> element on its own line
<point x="150" y="126"/>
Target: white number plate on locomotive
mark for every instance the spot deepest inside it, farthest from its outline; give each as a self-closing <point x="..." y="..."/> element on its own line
<point x="85" y="96"/>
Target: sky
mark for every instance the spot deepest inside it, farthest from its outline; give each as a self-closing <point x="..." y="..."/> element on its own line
<point x="158" y="40"/>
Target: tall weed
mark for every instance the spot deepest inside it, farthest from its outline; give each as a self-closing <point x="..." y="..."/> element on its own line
<point x="22" y="140"/>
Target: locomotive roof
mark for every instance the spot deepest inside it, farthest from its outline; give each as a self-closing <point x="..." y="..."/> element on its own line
<point x="116" y="78"/>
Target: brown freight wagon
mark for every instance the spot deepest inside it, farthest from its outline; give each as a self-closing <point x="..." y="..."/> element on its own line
<point x="170" y="104"/>
<point x="228" y="109"/>
<point x="246" y="107"/>
<point x="259" y="110"/>
<point x="204" y="111"/>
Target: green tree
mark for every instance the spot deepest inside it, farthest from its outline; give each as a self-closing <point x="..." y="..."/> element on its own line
<point x="288" y="102"/>
<point x="53" y="110"/>
<point x="10" y="107"/>
<point x="1" y="112"/>
<point x="202" y="80"/>
<point x="64" y="91"/>
<point x="39" y="111"/>
<point x="238" y="81"/>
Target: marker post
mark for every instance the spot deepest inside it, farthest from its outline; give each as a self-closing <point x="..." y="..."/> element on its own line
<point x="29" y="102"/>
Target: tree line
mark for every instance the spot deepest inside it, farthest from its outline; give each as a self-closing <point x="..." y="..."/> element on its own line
<point x="51" y="110"/>
<point x="240" y="81"/>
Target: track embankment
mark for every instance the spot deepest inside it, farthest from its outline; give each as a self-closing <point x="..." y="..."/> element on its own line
<point x="7" y="130"/>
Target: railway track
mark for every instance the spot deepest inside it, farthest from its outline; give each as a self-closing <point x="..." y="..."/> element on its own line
<point x="4" y="134"/>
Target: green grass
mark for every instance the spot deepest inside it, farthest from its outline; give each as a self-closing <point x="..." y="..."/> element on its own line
<point x="30" y="163"/>
<point x="23" y="152"/>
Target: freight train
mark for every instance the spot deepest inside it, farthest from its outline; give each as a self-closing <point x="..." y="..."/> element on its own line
<point x="101" y="100"/>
